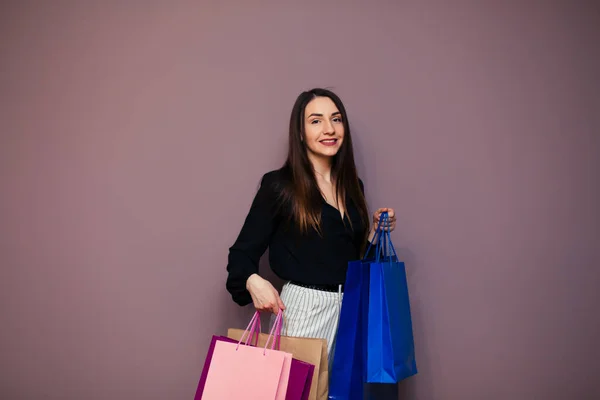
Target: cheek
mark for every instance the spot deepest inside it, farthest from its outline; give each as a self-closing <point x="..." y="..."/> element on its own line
<point x="311" y="133"/>
<point x="341" y="137"/>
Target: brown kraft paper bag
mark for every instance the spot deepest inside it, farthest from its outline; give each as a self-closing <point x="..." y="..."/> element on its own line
<point x="312" y="351"/>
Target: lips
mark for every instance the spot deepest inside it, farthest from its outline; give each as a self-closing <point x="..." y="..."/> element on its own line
<point x="328" y="142"/>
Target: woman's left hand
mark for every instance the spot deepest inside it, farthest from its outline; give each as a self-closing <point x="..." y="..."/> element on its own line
<point x="391" y="221"/>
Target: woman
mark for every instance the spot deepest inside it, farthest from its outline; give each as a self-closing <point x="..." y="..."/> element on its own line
<point x="312" y="215"/>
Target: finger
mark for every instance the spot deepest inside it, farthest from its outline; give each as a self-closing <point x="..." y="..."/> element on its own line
<point x="377" y="214"/>
<point x="275" y="309"/>
<point x="280" y="303"/>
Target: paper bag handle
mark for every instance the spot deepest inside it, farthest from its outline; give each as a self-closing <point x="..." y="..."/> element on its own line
<point x="251" y="330"/>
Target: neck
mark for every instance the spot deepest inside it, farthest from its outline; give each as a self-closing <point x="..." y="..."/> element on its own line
<point x="321" y="166"/>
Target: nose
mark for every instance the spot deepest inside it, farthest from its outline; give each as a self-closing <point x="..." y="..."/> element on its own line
<point x="328" y="128"/>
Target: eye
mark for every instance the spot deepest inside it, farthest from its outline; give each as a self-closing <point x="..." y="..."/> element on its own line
<point x="315" y="121"/>
<point x="337" y="119"/>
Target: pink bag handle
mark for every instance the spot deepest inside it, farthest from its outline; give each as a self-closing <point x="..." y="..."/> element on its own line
<point x="279" y="323"/>
<point x="251" y="330"/>
<point x="255" y="330"/>
<point x="275" y="333"/>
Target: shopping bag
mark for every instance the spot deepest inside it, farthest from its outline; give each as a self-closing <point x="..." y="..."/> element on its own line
<point x="300" y="372"/>
<point x="390" y="342"/>
<point x="347" y="372"/>
<point x="301" y="375"/>
<point x="211" y="349"/>
<point x="308" y="350"/>
<point x="255" y="329"/>
<point x="260" y="373"/>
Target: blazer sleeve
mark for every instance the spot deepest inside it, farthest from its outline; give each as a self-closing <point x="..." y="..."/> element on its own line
<point x="252" y="241"/>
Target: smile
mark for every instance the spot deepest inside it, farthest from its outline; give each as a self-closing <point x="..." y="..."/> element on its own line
<point x="329" y="142"/>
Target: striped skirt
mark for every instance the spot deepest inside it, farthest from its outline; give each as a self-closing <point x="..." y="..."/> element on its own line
<point x="311" y="313"/>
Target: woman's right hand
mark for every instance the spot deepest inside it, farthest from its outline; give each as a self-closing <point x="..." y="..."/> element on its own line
<point x="264" y="295"/>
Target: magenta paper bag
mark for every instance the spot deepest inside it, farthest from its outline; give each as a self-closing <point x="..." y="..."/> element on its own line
<point x="301" y="374"/>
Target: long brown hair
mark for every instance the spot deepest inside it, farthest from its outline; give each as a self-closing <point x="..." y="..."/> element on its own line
<point x="303" y="193"/>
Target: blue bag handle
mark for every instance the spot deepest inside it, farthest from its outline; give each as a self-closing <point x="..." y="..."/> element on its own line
<point x="376" y="236"/>
<point x="383" y="238"/>
<point x="386" y="241"/>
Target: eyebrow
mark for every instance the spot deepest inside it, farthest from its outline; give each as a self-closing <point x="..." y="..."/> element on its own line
<point x="320" y="115"/>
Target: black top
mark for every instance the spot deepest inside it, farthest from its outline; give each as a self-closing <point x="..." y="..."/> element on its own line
<point x="305" y="258"/>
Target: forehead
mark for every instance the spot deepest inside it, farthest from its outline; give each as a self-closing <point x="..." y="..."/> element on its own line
<point x="321" y="105"/>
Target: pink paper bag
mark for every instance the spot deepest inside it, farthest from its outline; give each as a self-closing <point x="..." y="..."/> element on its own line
<point x="239" y="371"/>
<point x="255" y="330"/>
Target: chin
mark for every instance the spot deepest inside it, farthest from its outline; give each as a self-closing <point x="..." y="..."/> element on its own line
<point x="327" y="153"/>
<point x="331" y="153"/>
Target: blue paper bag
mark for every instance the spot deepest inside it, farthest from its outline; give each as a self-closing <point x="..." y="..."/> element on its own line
<point x="374" y="342"/>
<point x="390" y="342"/>
<point x="346" y="379"/>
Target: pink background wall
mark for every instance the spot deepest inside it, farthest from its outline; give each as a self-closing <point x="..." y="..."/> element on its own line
<point x="133" y="137"/>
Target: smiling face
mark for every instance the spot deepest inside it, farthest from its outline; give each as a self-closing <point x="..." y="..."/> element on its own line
<point x="323" y="128"/>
